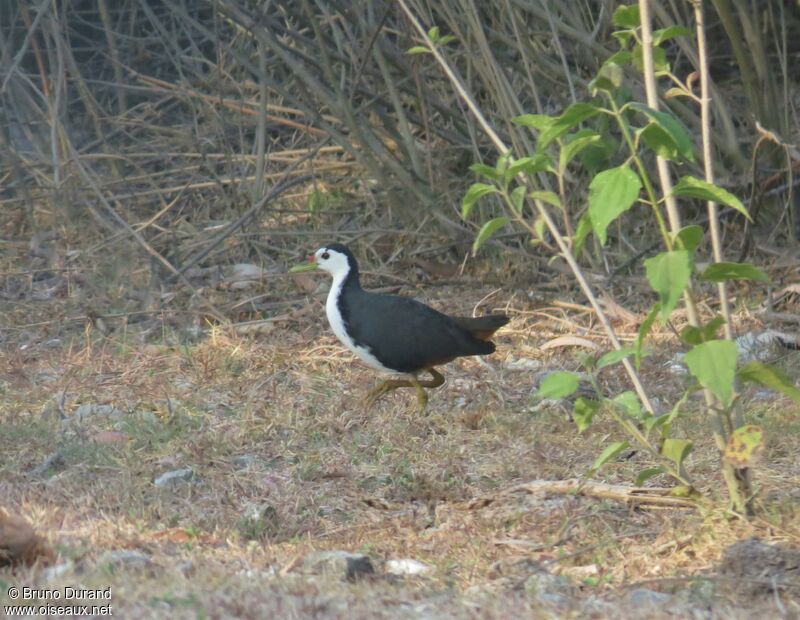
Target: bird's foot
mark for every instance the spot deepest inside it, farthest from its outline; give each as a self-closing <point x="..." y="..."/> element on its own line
<point x="375" y="394"/>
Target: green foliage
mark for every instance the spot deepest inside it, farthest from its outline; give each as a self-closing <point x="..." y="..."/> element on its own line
<point x="676" y="450"/>
<point x="435" y="39"/>
<point x="476" y="191"/>
<point x="769" y="377"/>
<point x="583" y="412"/>
<point x="744" y="445"/>
<point x="610" y="452"/>
<point x="558" y="385"/>
<point x="671" y="136"/>
<point x="487" y="230"/>
<point x="594" y="134"/>
<point x="722" y="272"/>
<point x="611" y="193"/>
<point x="689" y="238"/>
<point x="572" y="116"/>
<point x="713" y="364"/>
<point x="697" y="335"/>
<point x="668" y="274"/>
<point x="612" y="357"/>
<point x="692" y="187"/>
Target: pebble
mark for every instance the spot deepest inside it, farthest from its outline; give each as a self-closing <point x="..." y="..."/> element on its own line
<point x="175" y="478"/>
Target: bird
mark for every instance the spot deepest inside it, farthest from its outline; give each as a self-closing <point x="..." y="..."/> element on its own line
<point x="394" y="334"/>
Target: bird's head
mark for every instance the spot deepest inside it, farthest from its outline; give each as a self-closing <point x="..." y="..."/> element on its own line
<point x="334" y="258"/>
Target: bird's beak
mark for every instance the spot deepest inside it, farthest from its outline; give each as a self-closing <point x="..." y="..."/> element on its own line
<point x="309" y="266"/>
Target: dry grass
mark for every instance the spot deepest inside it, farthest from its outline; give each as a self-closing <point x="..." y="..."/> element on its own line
<point x="321" y="473"/>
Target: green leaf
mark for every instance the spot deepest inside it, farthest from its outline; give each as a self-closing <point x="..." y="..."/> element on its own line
<point x="476" y="191"/>
<point x="665" y="34"/>
<point x="582" y="139"/>
<point x="418" y="49"/>
<point x="609" y="453"/>
<point x="689" y="237"/>
<point x="668" y="274"/>
<point x="660" y="64"/>
<point x="658" y="140"/>
<point x="558" y="385"/>
<point x="722" y="272"/>
<point x="527" y="165"/>
<point x="629" y="403"/>
<point x="645" y="475"/>
<point x="769" y="377"/>
<point x="550" y="198"/>
<point x="572" y="116"/>
<point x="534" y="121"/>
<point x="485" y="171"/>
<point x="744" y="446"/>
<point x="584" y="228"/>
<point x="583" y="412"/>
<point x="487" y="230"/>
<point x="611" y="193"/>
<point x="518" y="198"/>
<point x="538" y="227"/>
<point x="676" y="450"/>
<point x="448" y="38"/>
<point x="502" y="164"/>
<point x="626" y="16"/>
<point x="644" y="329"/>
<point x="621" y="58"/>
<point x="713" y="364"/>
<point x="654" y="421"/>
<point x="676" y="92"/>
<point x="672" y="130"/>
<point x="609" y="78"/>
<point x="692" y="187"/>
<point x="433" y="34"/>
<point x="697" y="335"/>
<point x="612" y="357"/>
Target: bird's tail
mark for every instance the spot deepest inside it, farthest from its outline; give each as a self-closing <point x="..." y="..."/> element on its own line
<point x="482" y="327"/>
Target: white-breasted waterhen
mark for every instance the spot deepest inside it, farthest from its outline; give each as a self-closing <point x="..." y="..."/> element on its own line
<point x="397" y="335"/>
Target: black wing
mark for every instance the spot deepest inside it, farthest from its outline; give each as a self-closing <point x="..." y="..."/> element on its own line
<point x="406" y="335"/>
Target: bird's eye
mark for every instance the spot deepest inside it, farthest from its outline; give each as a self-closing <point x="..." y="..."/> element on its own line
<point x="325" y="255"/>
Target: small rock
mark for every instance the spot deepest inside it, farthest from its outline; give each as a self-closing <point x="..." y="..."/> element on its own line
<point x="20" y="543"/>
<point x="243" y="462"/>
<point x="133" y="560"/>
<point x="52" y="463"/>
<point x="581" y="572"/>
<point x="258" y="521"/>
<point x="54" y="572"/>
<point x="187" y="568"/>
<point x="556" y="602"/>
<point x="149" y="417"/>
<point x="642" y="597"/>
<point x="760" y="568"/>
<point x="406" y="567"/>
<point x="91" y="410"/>
<point x="347" y="566"/>
<point x="175" y="478"/>
<point x="523" y="363"/>
<point x="542" y="582"/>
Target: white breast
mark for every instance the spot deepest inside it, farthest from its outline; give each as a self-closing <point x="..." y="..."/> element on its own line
<point x="337" y="325"/>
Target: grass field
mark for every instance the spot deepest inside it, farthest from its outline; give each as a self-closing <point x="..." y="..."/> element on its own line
<point x="285" y="462"/>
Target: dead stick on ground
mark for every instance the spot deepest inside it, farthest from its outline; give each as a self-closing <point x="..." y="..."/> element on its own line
<point x="630" y="495"/>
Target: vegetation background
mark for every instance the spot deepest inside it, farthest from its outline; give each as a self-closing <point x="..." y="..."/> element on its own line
<point x="162" y="164"/>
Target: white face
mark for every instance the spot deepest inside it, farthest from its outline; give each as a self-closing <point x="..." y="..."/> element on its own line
<point x="335" y="263"/>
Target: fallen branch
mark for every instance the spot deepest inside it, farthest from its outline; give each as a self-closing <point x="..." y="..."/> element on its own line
<point x="640" y="496"/>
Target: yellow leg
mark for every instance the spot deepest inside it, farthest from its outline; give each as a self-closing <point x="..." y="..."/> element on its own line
<point x="392" y="384"/>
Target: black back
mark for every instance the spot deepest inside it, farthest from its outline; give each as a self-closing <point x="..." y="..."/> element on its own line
<point x="402" y="333"/>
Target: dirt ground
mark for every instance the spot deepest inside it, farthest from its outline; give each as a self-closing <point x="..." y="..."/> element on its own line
<point x="270" y="459"/>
